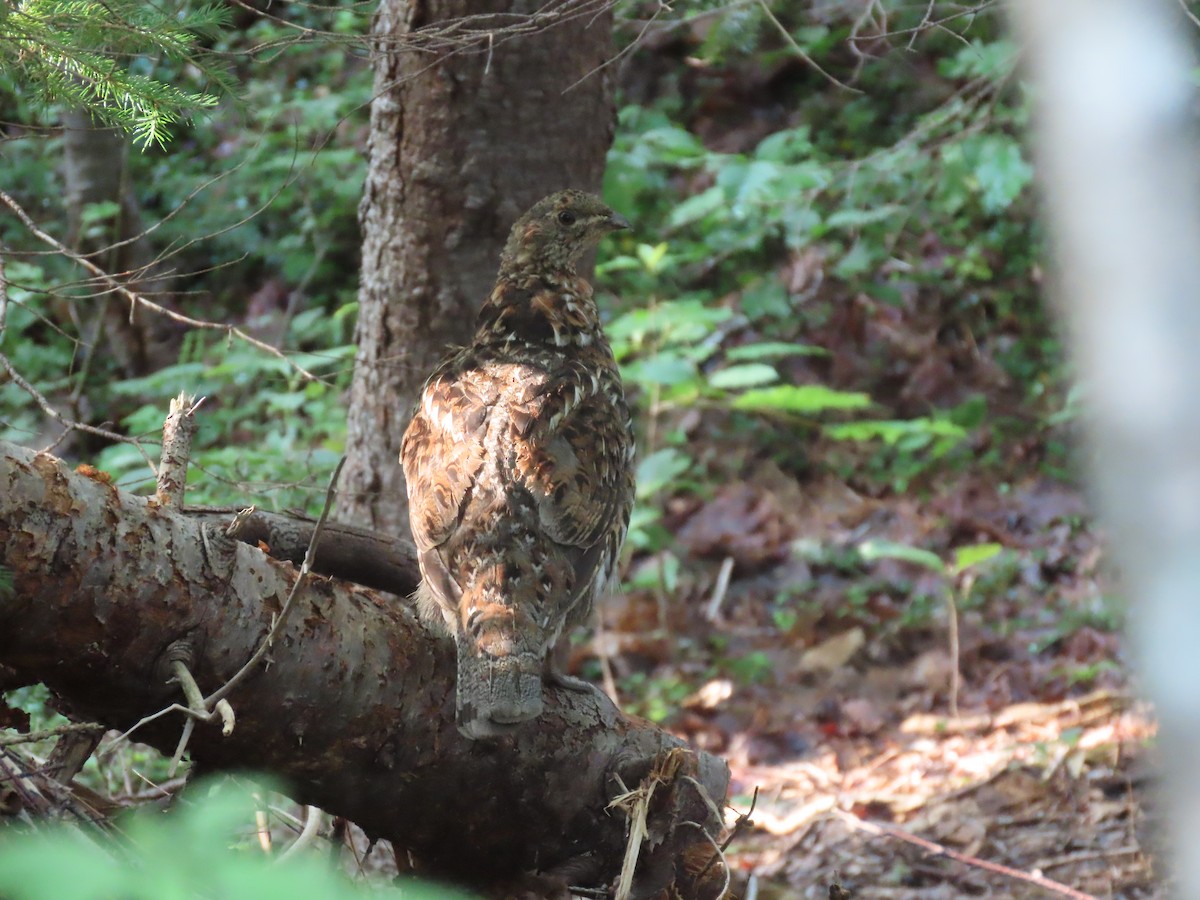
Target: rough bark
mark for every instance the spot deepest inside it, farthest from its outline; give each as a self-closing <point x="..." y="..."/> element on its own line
<point x="95" y="169"/>
<point x="462" y="141"/>
<point x="355" y="708"/>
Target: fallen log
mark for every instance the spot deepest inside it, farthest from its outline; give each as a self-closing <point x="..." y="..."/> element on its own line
<point x="353" y="705"/>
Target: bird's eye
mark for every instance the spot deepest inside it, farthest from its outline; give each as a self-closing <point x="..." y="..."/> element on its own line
<point x="566" y="217"/>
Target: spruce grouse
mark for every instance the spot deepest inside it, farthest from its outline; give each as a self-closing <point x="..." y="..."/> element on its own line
<point x="519" y="463"/>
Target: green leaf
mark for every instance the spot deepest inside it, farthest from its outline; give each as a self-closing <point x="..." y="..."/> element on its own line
<point x="757" y="187"/>
<point x="677" y="321"/>
<point x="99" y="212"/>
<point x="1002" y="172"/>
<point x="60" y="864"/>
<point x="893" y="432"/>
<point x="766" y="298"/>
<point x="853" y="219"/>
<point x="743" y="376"/>
<point x="878" y="548"/>
<point x="661" y="369"/>
<point x="857" y="260"/>
<point x="698" y="207"/>
<point x="808" y="398"/>
<point x="965" y="557"/>
<point x="979" y="60"/>
<point x="675" y="144"/>
<point x="773" y="350"/>
<point x="662" y="572"/>
<point x="659" y="469"/>
<point x="651" y="257"/>
<point x="788" y="146"/>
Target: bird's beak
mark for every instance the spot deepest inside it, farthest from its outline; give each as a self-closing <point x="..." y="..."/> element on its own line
<point x="618" y="222"/>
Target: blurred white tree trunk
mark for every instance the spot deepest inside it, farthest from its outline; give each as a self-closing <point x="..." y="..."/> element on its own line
<point x="1120" y="167"/>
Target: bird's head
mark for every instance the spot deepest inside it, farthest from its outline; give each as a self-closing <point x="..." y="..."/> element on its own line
<point x="557" y="231"/>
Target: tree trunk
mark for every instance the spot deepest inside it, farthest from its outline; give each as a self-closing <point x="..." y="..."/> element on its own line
<point x="1118" y="141"/>
<point x="465" y="136"/>
<point x="353" y="707"/>
<point x="95" y="170"/>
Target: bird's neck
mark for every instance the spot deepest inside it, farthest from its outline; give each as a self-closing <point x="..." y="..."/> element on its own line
<point x="554" y="309"/>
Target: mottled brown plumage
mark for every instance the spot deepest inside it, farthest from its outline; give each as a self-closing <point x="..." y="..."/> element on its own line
<point x="519" y="463"/>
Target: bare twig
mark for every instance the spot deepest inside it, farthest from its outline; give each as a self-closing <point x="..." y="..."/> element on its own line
<point x="146" y="720"/>
<point x="313" y="819"/>
<point x="62" y="420"/>
<point x="720" y="589"/>
<point x="309" y="558"/>
<point x="718" y="854"/>
<point x="971" y="13"/>
<point x="9" y="740"/>
<point x="892" y="831"/>
<point x="800" y="51"/>
<point x="926" y="20"/>
<point x="215" y="703"/>
<point x="952" y="624"/>
<point x="625" y="51"/>
<point x="1187" y="12"/>
<point x="3" y="295"/>
<point x="636" y="805"/>
<point x="140" y="299"/>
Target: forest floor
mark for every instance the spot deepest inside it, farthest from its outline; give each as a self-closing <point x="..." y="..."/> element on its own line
<point x="825" y="675"/>
<point x="842" y="724"/>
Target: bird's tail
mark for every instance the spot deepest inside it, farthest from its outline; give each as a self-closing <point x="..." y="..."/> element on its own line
<point x="500" y="661"/>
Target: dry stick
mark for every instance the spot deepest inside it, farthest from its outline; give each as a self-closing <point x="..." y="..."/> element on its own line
<point x="195" y="700"/>
<point x="62" y="420"/>
<point x="3" y="294"/>
<point x="926" y="21"/>
<point x="59" y="731"/>
<point x="718" y="853"/>
<point x="139" y="299"/>
<point x="930" y="846"/>
<point x="313" y="820"/>
<point x="940" y="23"/>
<point x="713" y="610"/>
<point x="454" y="33"/>
<point x="624" y="51"/>
<point x="952" y="621"/>
<point x="1187" y="12"/>
<point x="636" y="806"/>
<point x="798" y="50"/>
<point x="743" y="820"/>
<point x="1070" y="859"/>
<point x="178" y="429"/>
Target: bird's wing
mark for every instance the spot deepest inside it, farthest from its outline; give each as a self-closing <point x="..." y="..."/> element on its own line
<point x="442" y="454"/>
<point x="575" y="460"/>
